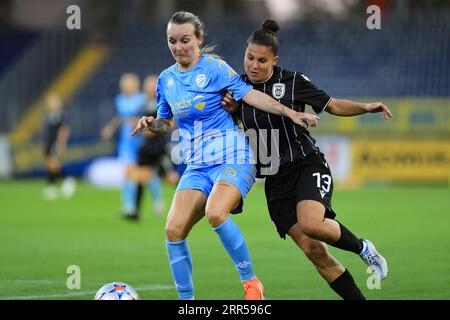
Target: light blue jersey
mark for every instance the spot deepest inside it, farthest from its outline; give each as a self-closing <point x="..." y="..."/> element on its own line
<point x="209" y="134"/>
<point x="213" y="146"/>
<point x="129" y="107"/>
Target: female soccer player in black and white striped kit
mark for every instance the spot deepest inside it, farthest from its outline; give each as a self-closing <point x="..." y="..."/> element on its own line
<point x="299" y="192"/>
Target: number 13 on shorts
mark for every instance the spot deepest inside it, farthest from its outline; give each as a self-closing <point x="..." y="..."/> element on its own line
<point x="323" y="182"/>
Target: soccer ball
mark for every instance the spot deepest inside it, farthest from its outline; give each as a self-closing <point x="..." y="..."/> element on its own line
<point x="116" y="291"/>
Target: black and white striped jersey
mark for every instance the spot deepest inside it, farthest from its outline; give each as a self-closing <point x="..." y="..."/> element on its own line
<point x="154" y="145"/>
<point x="294" y="90"/>
<point x="53" y="122"/>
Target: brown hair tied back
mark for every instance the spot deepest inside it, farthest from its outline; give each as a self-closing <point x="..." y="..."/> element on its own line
<point x="271" y="26"/>
<point x="266" y="36"/>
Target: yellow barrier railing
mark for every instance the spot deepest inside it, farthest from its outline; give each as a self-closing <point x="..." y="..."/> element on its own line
<point x="412" y="116"/>
<point x="67" y="83"/>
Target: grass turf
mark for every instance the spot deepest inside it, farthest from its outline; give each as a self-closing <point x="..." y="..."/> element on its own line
<point x="40" y="239"/>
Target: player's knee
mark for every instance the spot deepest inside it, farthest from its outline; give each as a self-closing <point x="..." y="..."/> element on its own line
<point x="311" y="228"/>
<point x="174" y="233"/>
<point x="311" y="219"/>
<point x="216" y="217"/>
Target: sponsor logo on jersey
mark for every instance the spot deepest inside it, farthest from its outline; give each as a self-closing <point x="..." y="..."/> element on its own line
<point x="200" y="106"/>
<point x="197" y="97"/>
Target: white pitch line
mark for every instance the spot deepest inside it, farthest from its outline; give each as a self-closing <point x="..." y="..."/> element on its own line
<point x="77" y="293"/>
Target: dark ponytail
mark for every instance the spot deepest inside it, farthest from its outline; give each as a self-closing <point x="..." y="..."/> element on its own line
<point x="266" y="36"/>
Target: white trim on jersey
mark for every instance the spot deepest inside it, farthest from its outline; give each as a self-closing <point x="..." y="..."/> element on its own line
<point x="270" y="122"/>
<point x="292" y="106"/>
<point x="326" y="104"/>
<point x="284" y="124"/>
<point x="242" y="111"/>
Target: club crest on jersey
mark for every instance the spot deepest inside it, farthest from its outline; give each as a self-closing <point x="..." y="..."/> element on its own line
<point x="278" y="90"/>
<point x="201" y="80"/>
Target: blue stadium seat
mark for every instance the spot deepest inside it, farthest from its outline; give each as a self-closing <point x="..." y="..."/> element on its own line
<point x="404" y="58"/>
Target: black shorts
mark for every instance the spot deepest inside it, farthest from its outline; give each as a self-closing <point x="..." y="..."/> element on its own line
<point x="50" y="149"/>
<point x="151" y="151"/>
<point x="158" y="161"/>
<point x="305" y="179"/>
<point x="148" y="157"/>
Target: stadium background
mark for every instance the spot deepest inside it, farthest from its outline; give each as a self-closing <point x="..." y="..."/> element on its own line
<point x="392" y="176"/>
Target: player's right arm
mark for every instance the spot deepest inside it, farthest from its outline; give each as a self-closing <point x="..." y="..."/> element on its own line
<point x="228" y="79"/>
<point x="164" y="122"/>
<point x="266" y="103"/>
<point x="154" y="125"/>
<point x="108" y="130"/>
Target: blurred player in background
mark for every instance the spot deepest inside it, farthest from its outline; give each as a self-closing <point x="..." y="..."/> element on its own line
<point x="299" y="194"/>
<point x="153" y="160"/>
<point x="57" y="133"/>
<point x="129" y="105"/>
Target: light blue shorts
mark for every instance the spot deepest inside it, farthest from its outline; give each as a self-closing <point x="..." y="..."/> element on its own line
<point x="127" y="152"/>
<point x="242" y="176"/>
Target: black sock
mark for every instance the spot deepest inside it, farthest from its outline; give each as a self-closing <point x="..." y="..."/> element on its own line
<point x="138" y="197"/>
<point x="51" y="178"/>
<point x="61" y="174"/>
<point x="348" y="241"/>
<point x="346" y="287"/>
<point x="57" y="176"/>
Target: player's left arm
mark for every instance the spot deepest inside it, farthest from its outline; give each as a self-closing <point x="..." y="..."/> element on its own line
<point x="229" y="104"/>
<point x="347" y="108"/>
<point x="62" y="137"/>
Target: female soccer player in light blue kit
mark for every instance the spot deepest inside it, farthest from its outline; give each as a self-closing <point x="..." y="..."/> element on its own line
<point x="129" y="104"/>
<point x="220" y="170"/>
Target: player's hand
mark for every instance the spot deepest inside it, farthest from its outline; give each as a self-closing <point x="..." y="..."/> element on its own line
<point x="305" y="119"/>
<point x="375" y="107"/>
<point x="229" y="103"/>
<point x="143" y="124"/>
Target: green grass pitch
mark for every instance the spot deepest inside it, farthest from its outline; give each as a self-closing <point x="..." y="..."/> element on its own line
<point x="410" y="225"/>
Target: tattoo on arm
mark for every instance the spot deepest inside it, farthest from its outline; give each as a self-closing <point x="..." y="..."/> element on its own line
<point x="159" y="126"/>
<point x="278" y="107"/>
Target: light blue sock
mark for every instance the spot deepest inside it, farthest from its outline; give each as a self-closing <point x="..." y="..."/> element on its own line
<point x="129" y="190"/>
<point x="181" y="266"/>
<point x="155" y="188"/>
<point x="234" y="242"/>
